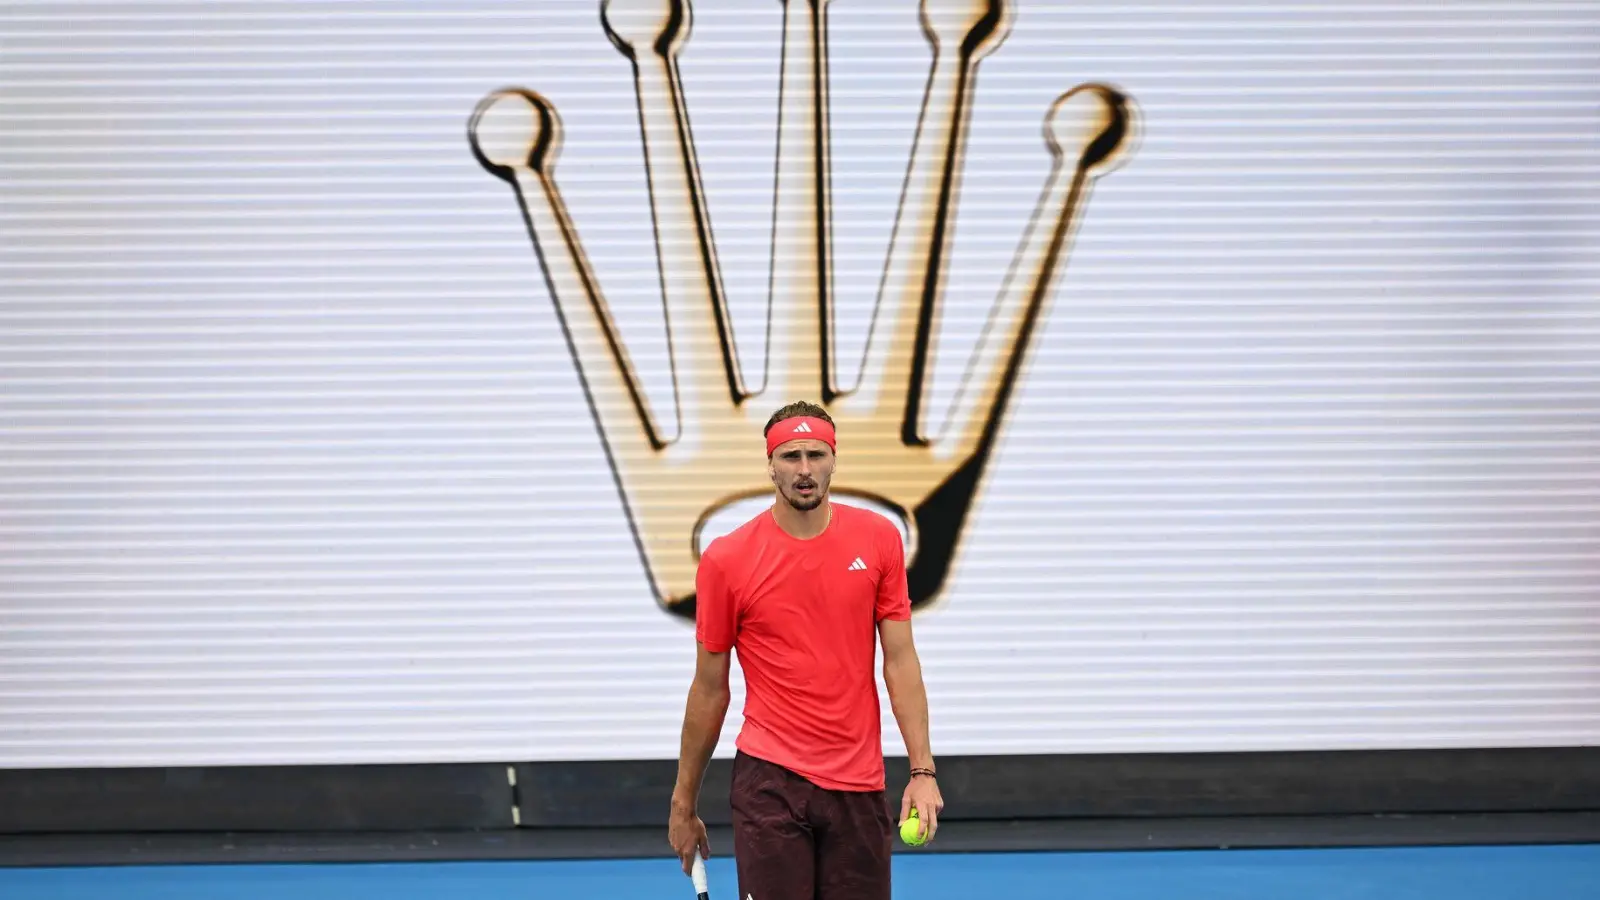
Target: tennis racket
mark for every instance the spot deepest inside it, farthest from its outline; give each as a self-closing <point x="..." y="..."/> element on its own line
<point x="698" y="873"/>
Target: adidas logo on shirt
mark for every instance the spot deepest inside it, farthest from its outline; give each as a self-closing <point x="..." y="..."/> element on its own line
<point x="858" y="565"/>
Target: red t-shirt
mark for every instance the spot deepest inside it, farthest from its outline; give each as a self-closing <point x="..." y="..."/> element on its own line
<point x="801" y="616"/>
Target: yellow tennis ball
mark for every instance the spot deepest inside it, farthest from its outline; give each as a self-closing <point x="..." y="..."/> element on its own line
<point x="908" y="830"/>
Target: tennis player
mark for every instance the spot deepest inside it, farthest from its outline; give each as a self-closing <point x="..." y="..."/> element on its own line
<point x="804" y="592"/>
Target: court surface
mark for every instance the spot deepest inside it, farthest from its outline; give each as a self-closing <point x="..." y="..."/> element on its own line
<point x="1423" y="873"/>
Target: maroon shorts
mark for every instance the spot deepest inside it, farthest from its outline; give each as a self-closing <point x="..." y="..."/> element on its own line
<point x="793" y="840"/>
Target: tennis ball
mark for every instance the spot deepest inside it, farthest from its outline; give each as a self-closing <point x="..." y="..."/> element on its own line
<point x="908" y="830"/>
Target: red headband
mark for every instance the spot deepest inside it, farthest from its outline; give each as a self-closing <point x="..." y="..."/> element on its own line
<point x="800" y="428"/>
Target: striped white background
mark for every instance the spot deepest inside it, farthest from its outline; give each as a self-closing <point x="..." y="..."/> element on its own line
<point x="294" y="466"/>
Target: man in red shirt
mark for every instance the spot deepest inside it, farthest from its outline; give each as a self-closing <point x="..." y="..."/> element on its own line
<point x="804" y="592"/>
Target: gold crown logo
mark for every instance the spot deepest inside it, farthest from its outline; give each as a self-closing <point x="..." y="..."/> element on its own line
<point x="672" y="484"/>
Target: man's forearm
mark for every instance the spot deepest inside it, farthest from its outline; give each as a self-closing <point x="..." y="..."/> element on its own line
<point x="702" y="726"/>
<point x="909" y="700"/>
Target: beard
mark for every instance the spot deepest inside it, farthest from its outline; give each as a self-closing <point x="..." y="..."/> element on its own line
<point x="804" y="502"/>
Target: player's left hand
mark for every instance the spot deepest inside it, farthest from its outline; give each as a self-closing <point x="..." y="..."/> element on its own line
<point x="923" y="793"/>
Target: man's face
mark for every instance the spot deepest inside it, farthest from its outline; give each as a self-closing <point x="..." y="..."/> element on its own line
<point x="801" y="470"/>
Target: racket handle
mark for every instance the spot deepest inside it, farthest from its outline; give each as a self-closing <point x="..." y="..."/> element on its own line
<point x="699" y="875"/>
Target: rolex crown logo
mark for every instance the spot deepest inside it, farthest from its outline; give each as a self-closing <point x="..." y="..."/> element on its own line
<point x="672" y="483"/>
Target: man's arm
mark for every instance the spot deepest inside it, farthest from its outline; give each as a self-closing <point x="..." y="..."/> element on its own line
<point x="902" y="675"/>
<point x="702" y="725"/>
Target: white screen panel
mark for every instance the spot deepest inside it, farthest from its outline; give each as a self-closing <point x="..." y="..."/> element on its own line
<point x="295" y="465"/>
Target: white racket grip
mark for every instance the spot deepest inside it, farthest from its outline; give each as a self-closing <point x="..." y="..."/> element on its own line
<point x="699" y="875"/>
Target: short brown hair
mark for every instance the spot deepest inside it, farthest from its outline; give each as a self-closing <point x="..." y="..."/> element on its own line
<point x="797" y="408"/>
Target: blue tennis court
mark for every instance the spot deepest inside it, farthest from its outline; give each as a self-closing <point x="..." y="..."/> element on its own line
<point x="1431" y="873"/>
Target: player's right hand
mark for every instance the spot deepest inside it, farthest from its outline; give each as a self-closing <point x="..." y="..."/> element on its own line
<point x="687" y="833"/>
